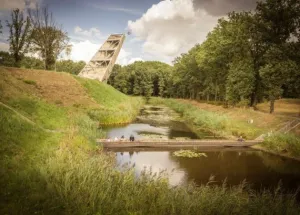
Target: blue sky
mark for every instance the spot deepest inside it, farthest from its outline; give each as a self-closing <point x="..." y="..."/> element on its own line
<point x="161" y="30"/>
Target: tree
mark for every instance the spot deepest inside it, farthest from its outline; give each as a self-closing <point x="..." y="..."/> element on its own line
<point x="0" y="27"/>
<point x="116" y="69"/>
<point x="19" y="30"/>
<point x="277" y="22"/>
<point x="48" y="39"/>
<point x="69" y="66"/>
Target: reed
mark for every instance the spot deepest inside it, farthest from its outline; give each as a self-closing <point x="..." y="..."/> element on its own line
<point x="50" y="164"/>
<point x="218" y="123"/>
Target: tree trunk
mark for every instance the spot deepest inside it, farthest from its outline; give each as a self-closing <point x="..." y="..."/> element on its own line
<point x="272" y="105"/>
<point x="254" y="95"/>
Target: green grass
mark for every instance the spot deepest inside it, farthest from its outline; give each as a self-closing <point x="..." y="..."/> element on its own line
<point x="47" y="115"/>
<point x="288" y="144"/>
<point x="89" y="185"/>
<point x="218" y="123"/>
<point x="31" y="82"/>
<point x="63" y="171"/>
<point x="117" y="108"/>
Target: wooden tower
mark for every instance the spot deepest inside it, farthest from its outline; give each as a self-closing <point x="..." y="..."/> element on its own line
<point x="102" y="63"/>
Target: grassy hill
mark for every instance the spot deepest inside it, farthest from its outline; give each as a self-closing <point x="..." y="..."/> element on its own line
<point x="42" y="112"/>
<point x="50" y="163"/>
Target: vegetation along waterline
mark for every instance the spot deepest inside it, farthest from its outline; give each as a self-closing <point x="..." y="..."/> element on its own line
<point x="54" y="160"/>
<point x="234" y="122"/>
<point x="49" y="120"/>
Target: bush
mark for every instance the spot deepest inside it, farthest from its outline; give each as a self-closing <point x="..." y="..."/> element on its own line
<point x="31" y="82"/>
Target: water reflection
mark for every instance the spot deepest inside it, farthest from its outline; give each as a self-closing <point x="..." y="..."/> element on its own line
<point x="162" y="162"/>
<point x="261" y="170"/>
<point x="154" y="122"/>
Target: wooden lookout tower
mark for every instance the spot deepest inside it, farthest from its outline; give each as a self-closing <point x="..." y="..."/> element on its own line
<point x="102" y="63"/>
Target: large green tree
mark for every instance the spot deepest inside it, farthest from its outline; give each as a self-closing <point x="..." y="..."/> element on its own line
<point x="277" y="24"/>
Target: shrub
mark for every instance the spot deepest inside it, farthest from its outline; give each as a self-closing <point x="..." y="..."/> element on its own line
<point x="31" y="82"/>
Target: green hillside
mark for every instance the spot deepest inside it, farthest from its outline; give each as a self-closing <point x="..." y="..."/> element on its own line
<point x="50" y="163"/>
<point x="42" y="112"/>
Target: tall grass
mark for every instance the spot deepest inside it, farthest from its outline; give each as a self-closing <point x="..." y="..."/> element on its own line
<point x="61" y="170"/>
<point x="90" y="185"/>
<point x="117" y="108"/>
<point x="217" y="123"/>
<point x="283" y="143"/>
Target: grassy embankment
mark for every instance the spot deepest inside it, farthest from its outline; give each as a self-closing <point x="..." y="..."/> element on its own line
<point x="233" y="122"/>
<point x="50" y="163"/>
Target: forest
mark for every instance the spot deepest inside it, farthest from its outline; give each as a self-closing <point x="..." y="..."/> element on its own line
<point x="249" y="57"/>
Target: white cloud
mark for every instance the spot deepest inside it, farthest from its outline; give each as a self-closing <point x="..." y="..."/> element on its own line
<point x="172" y="27"/>
<point x="4" y="46"/>
<point x="85" y="50"/>
<point x="125" y="58"/>
<point x="132" y="60"/>
<point x="21" y="4"/>
<point x="92" y="32"/>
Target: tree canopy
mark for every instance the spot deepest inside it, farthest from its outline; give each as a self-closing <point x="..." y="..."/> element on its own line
<point x="246" y="58"/>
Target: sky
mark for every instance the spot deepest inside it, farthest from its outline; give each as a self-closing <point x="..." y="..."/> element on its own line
<point x="160" y="30"/>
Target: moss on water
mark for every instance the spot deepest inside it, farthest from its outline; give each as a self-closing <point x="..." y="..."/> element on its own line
<point x="189" y="154"/>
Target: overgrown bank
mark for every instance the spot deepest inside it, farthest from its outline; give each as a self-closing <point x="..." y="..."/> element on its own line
<point x="51" y="165"/>
<point x="287" y="145"/>
<point x="217" y="122"/>
<point x="232" y="123"/>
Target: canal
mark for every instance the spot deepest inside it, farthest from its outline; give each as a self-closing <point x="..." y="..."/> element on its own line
<point x="258" y="169"/>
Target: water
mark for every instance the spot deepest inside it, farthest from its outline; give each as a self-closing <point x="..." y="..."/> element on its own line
<point x="156" y="122"/>
<point x="259" y="169"/>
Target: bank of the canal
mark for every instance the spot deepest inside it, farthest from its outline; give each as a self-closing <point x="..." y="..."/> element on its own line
<point x="157" y="124"/>
<point x="50" y="164"/>
<point x="232" y="123"/>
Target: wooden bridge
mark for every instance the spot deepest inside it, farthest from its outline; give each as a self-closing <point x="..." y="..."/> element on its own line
<point x="176" y="143"/>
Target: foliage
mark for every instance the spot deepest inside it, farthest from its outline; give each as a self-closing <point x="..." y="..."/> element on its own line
<point x="47" y="38"/>
<point x="218" y="123"/>
<point x="141" y="78"/>
<point x="189" y="154"/>
<point x="247" y="58"/>
<point x="30" y="82"/>
<point x="283" y="143"/>
<point x="19" y="31"/>
<point x="120" y="109"/>
<point x="69" y="66"/>
<point x="27" y="62"/>
<point x="62" y="171"/>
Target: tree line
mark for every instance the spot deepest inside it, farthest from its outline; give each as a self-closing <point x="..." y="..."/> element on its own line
<point x="73" y="67"/>
<point x="248" y="57"/>
<point x="36" y="33"/>
<point x="142" y="78"/>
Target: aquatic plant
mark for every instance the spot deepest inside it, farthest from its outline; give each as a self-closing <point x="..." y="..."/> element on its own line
<point x="189" y="154"/>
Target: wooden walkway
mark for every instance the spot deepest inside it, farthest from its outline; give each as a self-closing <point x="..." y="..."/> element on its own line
<point x="177" y="143"/>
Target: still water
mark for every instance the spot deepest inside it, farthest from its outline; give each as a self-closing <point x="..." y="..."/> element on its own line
<point x="259" y="169"/>
<point x="156" y="122"/>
